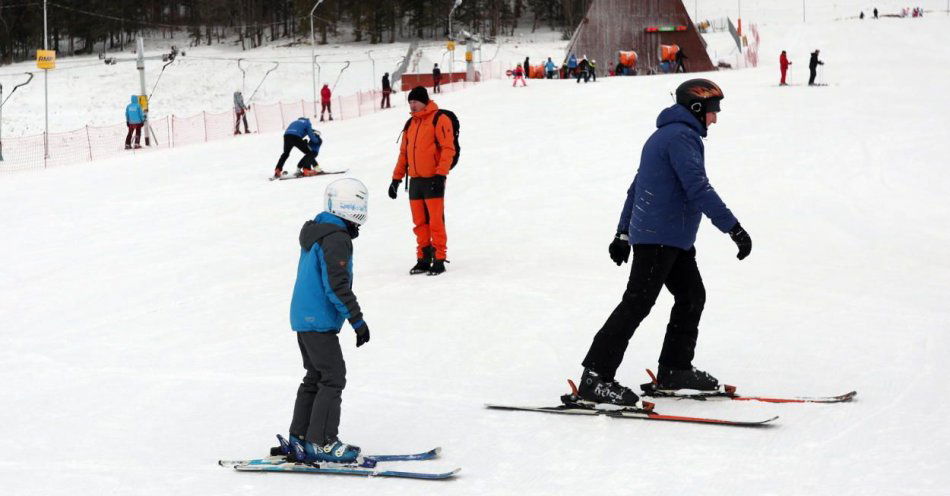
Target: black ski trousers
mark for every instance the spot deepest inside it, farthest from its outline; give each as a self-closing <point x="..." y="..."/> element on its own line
<point x="317" y="409"/>
<point x="653" y="267"/>
<point x="812" y="72"/>
<point x="291" y="142"/>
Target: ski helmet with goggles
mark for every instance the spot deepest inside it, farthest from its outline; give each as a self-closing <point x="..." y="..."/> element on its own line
<point x="347" y="199"/>
<point x="699" y="96"/>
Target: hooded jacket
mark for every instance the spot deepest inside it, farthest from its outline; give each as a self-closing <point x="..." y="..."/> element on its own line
<point x="426" y="150"/>
<point x="325" y="94"/>
<point x="323" y="293"/>
<point x="301" y="128"/>
<point x="133" y="112"/>
<point x="239" y="102"/>
<point x="671" y="192"/>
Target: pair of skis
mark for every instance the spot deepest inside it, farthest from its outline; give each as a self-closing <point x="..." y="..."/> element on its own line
<point x="284" y="176"/>
<point x="367" y="466"/>
<point x="572" y="404"/>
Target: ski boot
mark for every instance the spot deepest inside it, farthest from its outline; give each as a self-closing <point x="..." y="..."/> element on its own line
<point x="137" y="146"/>
<point x="310" y="172"/>
<point x="424" y="264"/>
<point x="128" y="147"/>
<point x="668" y="380"/>
<point x="597" y="389"/>
<point x="278" y="173"/>
<point x="438" y="267"/>
<point x="333" y="451"/>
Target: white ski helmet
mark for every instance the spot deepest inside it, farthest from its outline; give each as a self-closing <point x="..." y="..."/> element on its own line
<point x="347" y="199"/>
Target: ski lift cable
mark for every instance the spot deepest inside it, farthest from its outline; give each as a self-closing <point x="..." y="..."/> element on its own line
<point x="159" y="78"/>
<point x="272" y="69"/>
<point x="338" y="75"/>
<point x="24" y="83"/>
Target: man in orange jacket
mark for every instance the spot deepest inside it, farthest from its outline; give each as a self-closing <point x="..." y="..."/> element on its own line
<point x="426" y="154"/>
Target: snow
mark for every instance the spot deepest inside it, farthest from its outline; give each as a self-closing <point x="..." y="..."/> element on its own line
<point x="144" y="301"/>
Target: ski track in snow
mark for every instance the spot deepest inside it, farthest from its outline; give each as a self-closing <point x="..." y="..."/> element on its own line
<point x="144" y="300"/>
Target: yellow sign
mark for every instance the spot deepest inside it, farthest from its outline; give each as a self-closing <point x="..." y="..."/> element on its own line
<point x="450" y="46"/>
<point x="143" y="102"/>
<point x="468" y="56"/>
<point x="45" y="59"/>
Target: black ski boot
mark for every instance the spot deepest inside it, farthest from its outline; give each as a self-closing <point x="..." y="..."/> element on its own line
<point x="668" y="379"/>
<point x="438" y="267"/>
<point x="423" y="264"/>
<point x="597" y="389"/>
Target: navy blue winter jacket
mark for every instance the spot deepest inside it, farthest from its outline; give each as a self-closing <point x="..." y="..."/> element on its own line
<point x="671" y="192"/>
<point x="301" y="128"/>
<point x="323" y="292"/>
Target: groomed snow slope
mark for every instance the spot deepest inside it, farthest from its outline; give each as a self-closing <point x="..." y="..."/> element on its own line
<point x="144" y="304"/>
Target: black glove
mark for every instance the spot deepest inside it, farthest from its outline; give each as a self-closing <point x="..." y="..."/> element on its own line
<point x="620" y="248"/>
<point x="438" y="186"/>
<point x="362" y="333"/>
<point x="742" y="240"/>
<point x="393" y="188"/>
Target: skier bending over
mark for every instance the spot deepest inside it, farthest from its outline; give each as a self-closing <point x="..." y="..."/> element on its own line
<point x="294" y="138"/>
<point x="323" y="298"/>
<point x="660" y="218"/>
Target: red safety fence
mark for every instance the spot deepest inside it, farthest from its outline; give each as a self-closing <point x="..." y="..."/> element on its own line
<point x="93" y="143"/>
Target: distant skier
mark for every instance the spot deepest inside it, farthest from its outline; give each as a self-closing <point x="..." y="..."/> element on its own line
<point x="387" y="90"/>
<point x="325" y="98"/>
<point x="294" y="138"/>
<point x="680" y="57"/>
<point x="549" y="68"/>
<point x="527" y="68"/>
<point x="583" y="70"/>
<point x="240" y="113"/>
<point x="660" y="218"/>
<point x="436" y="79"/>
<point x="813" y="64"/>
<point x="593" y="70"/>
<point x="518" y="73"/>
<point x="783" y="64"/>
<point x="571" y="66"/>
<point x="323" y="298"/>
<point x="862" y="15"/>
<point x="875" y="12"/>
<point x="134" y="119"/>
<point x="427" y="153"/>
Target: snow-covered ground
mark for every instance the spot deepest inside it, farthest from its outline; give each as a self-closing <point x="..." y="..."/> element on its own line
<point x="143" y="302"/>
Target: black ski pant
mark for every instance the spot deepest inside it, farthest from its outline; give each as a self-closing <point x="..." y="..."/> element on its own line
<point x="291" y="142"/>
<point x="812" y="72"/>
<point x="384" y="103"/>
<point x="240" y="115"/>
<point x="653" y="267"/>
<point x="317" y="409"/>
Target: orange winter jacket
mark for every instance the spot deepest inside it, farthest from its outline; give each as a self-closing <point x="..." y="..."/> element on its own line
<point x="426" y="150"/>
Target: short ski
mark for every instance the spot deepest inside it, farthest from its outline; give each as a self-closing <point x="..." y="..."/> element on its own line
<point x="727" y="392"/>
<point x="286" y="177"/>
<point x="577" y="409"/>
<point x="573" y="405"/>
<point x="344" y="470"/>
<point x="277" y="458"/>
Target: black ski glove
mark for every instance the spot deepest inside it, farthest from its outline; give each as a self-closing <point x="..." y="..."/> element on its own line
<point x="742" y="240"/>
<point x="394" y="188"/>
<point x="438" y="186"/>
<point x="362" y="333"/>
<point x="620" y="248"/>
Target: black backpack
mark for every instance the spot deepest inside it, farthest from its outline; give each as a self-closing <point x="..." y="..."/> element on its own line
<point x="455" y="130"/>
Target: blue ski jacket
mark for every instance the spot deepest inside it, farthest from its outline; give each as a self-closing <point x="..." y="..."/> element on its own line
<point x="549" y="66"/>
<point x="301" y="128"/>
<point x="572" y="62"/>
<point x="323" y="293"/>
<point x="133" y="112"/>
<point x="671" y="192"/>
<point x="315" y="144"/>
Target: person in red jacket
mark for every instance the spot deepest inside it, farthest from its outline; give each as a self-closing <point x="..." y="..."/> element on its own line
<point x="325" y="96"/>
<point x="426" y="153"/>
<point x="518" y="73"/>
<point x="783" y="63"/>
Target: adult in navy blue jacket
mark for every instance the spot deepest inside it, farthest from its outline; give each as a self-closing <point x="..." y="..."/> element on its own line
<point x="323" y="298"/>
<point x="660" y="218"/>
<point x="294" y="138"/>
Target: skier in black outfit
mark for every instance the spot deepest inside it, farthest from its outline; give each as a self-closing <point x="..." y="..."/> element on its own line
<point x="583" y="70"/>
<point x="436" y="79"/>
<point x="660" y="218"/>
<point x="387" y="90"/>
<point x="680" y="57"/>
<point x="813" y="64"/>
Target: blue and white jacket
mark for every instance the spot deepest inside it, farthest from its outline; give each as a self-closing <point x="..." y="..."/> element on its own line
<point x="133" y="112"/>
<point x="301" y="128"/>
<point x="323" y="293"/>
<point x="671" y="192"/>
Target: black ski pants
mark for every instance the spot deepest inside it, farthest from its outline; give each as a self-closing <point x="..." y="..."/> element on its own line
<point x="653" y="267"/>
<point x="317" y="409"/>
<point x="291" y="142"/>
<point x="812" y="72"/>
